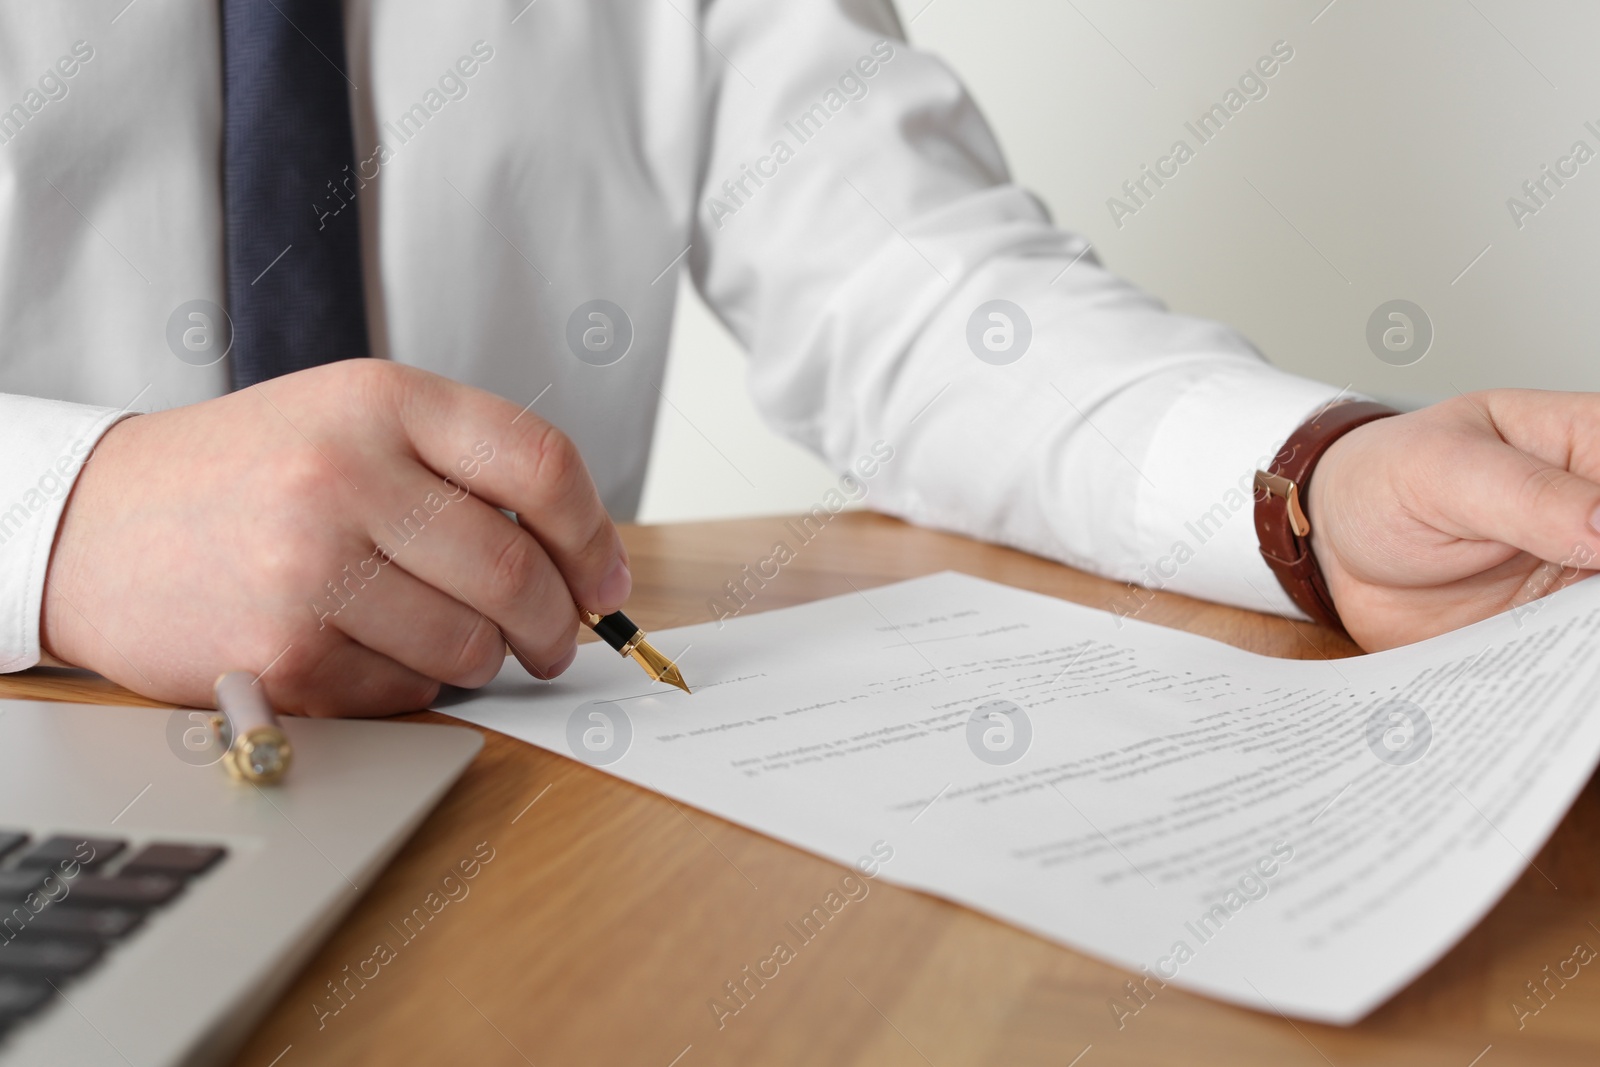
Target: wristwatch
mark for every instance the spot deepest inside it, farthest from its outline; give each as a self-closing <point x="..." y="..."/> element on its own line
<point x="1282" y="527"/>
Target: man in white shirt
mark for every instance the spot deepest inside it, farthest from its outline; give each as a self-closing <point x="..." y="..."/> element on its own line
<point x="528" y="180"/>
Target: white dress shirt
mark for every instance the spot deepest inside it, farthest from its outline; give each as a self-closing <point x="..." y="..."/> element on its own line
<point x="836" y="195"/>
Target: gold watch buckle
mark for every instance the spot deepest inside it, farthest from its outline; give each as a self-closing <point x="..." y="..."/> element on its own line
<point x="1279" y="486"/>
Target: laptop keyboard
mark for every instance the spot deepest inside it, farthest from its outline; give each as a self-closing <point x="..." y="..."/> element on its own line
<point x="67" y="900"/>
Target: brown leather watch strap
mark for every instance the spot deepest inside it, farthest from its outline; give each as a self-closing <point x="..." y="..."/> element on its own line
<point x="1281" y="491"/>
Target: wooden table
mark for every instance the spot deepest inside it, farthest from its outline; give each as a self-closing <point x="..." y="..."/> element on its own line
<point x="609" y="916"/>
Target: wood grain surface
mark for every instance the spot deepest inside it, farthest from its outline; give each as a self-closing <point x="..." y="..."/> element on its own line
<point x="609" y="916"/>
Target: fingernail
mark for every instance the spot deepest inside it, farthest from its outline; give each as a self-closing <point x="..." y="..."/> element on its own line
<point x="1594" y="520"/>
<point x="616" y="585"/>
<point x="563" y="663"/>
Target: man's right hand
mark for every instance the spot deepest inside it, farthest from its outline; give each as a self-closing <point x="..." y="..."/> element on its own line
<point x="304" y="528"/>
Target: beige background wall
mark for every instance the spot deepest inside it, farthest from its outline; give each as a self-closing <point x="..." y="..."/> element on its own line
<point x="1377" y="166"/>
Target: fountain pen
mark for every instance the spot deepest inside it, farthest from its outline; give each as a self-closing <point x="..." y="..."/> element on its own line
<point x="620" y="633"/>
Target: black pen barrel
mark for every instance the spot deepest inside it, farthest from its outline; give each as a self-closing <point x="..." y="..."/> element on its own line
<point x="616" y="629"/>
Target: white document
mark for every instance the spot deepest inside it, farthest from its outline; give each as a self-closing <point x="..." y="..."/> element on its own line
<point x="1302" y="837"/>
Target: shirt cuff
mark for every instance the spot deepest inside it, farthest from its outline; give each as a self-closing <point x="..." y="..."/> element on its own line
<point x="1195" y="513"/>
<point x="44" y="444"/>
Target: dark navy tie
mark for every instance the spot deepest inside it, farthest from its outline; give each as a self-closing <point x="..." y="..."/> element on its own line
<point x="293" y="253"/>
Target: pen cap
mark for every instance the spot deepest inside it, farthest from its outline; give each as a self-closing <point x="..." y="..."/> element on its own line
<point x="260" y="752"/>
<point x="243" y="702"/>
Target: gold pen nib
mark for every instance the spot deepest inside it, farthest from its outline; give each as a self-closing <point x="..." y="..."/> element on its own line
<point x="620" y="632"/>
<point x="657" y="665"/>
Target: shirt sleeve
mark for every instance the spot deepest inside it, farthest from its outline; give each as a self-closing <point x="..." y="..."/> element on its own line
<point x="856" y="224"/>
<point x="44" y="444"/>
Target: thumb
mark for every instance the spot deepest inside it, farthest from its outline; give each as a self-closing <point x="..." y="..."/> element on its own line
<point x="1495" y="492"/>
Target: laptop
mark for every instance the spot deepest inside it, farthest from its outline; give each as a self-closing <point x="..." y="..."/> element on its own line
<point x="152" y="908"/>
